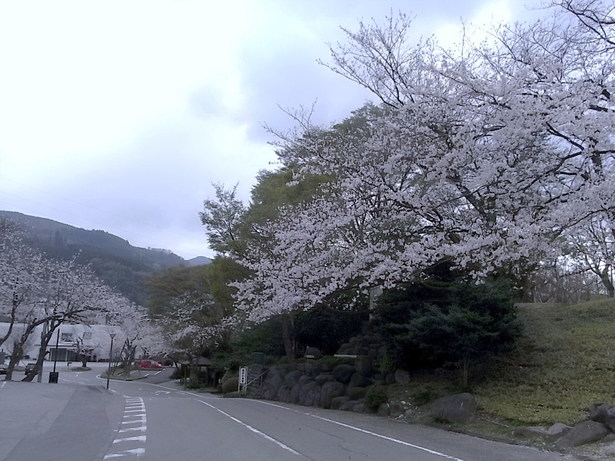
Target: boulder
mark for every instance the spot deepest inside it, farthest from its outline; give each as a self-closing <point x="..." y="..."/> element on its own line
<point x="295" y="394"/>
<point x="292" y="378"/>
<point x="603" y="413"/>
<point x="310" y="394"/>
<point x="283" y="394"/>
<point x="459" y="408"/>
<point x="361" y="407"/>
<point x="356" y="393"/>
<point x="324" y="378"/>
<point x="557" y="430"/>
<point x="358" y="380"/>
<point x="530" y="431"/>
<point x="397" y="408"/>
<point x="401" y="376"/>
<point x="338" y="402"/>
<point x="329" y="391"/>
<point x="343" y="373"/>
<point x="348" y="405"/>
<point x="304" y="379"/>
<point x="272" y="383"/>
<point x="364" y="365"/>
<point x="582" y="433"/>
<point x="384" y="409"/>
<point x="310" y="368"/>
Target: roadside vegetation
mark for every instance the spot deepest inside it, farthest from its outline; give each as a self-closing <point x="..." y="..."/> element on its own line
<point x="418" y="233"/>
<point x="447" y="230"/>
<point x="564" y="361"/>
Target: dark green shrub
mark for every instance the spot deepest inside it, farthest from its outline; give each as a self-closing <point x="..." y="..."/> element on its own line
<point x="423" y="396"/>
<point x="230" y="385"/>
<point x="328" y="327"/>
<point x="376" y="395"/>
<point x="330" y="362"/>
<point x="428" y="323"/>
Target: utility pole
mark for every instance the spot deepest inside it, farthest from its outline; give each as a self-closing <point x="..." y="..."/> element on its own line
<point x="110" y="355"/>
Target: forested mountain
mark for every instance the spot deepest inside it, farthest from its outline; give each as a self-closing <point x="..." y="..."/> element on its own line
<point x="114" y="259"/>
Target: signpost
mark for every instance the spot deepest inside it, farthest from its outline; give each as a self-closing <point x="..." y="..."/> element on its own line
<point x="243" y="379"/>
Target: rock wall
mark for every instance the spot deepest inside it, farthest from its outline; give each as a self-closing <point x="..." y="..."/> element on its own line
<point x="328" y="384"/>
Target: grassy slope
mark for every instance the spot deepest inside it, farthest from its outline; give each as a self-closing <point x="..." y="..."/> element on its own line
<point x="565" y="361"/>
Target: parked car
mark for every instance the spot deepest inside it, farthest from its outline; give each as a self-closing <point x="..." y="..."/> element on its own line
<point x="147" y="363"/>
<point x="2" y="369"/>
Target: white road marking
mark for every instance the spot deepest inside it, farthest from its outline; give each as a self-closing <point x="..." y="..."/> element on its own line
<point x="140" y="438"/>
<point x="142" y="419"/>
<point x="364" y="431"/>
<point x="358" y="429"/>
<point x="133" y="405"/>
<point x="256" y="431"/>
<point x="133" y="429"/>
<point x="121" y="454"/>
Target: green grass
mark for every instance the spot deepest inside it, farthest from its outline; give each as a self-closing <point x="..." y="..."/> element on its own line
<point x="564" y="362"/>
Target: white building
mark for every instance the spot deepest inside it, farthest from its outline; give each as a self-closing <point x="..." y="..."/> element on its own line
<point x="67" y="341"/>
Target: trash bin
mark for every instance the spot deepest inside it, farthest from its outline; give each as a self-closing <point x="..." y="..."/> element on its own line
<point x="53" y="376"/>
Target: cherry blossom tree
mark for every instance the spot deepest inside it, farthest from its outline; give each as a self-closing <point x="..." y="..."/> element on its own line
<point x="136" y="331"/>
<point x="73" y="294"/>
<point x="194" y="325"/>
<point x="20" y="273"/>
<point x="38" y="291"/>
<point x="591" y="248"/>
<point x="482" y="157"/>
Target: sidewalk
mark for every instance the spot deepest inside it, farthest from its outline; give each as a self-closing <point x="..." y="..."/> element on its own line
<point x="28" y="409"/>
<point x="55" y="422"/>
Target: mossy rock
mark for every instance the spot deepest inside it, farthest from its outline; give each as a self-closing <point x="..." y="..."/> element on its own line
<point x="356" y="393"/>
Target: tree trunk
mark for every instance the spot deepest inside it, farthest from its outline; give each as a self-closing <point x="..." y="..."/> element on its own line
<point x="46" y="336"/>
<point x="12" y="320"/>
<point x="16" y="356"/>
<point x="18" y="350"/>
<point x="465" y="372"/>
<point x="607" y="281"/>
<point x="288" y="336"/>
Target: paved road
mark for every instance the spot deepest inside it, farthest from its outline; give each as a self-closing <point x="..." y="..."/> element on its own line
<point x="154" y="420"/>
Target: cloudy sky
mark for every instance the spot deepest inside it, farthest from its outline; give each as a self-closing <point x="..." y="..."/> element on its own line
<point x="120" y="115"/>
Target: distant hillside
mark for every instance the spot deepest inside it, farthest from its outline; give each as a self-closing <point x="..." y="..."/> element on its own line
<point x="120" y="264"/>
<point x="198" y="261"/>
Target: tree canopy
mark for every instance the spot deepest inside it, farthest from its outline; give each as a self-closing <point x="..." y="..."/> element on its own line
<point x="482" y="157"/>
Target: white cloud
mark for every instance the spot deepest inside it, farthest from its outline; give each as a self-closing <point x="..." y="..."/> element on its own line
<point x="119" y="115"/>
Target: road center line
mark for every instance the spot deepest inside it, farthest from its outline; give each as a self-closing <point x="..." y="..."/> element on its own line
<point x="364" y="431"/>
<point x="253" y="429"/>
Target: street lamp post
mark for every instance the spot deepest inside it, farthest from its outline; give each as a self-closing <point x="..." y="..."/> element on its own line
<point x="110" y="354"/>
<point x="53" y="375"/>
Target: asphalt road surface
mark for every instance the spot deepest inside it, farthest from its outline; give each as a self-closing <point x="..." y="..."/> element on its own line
<point x="154" y="420"/>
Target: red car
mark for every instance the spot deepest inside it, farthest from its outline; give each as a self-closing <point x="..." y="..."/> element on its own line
<point x="147" y="363"/>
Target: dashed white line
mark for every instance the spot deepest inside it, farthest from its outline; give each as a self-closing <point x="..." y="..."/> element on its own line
<point x="364" y="431"/>
<point x="253" y="429"/>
